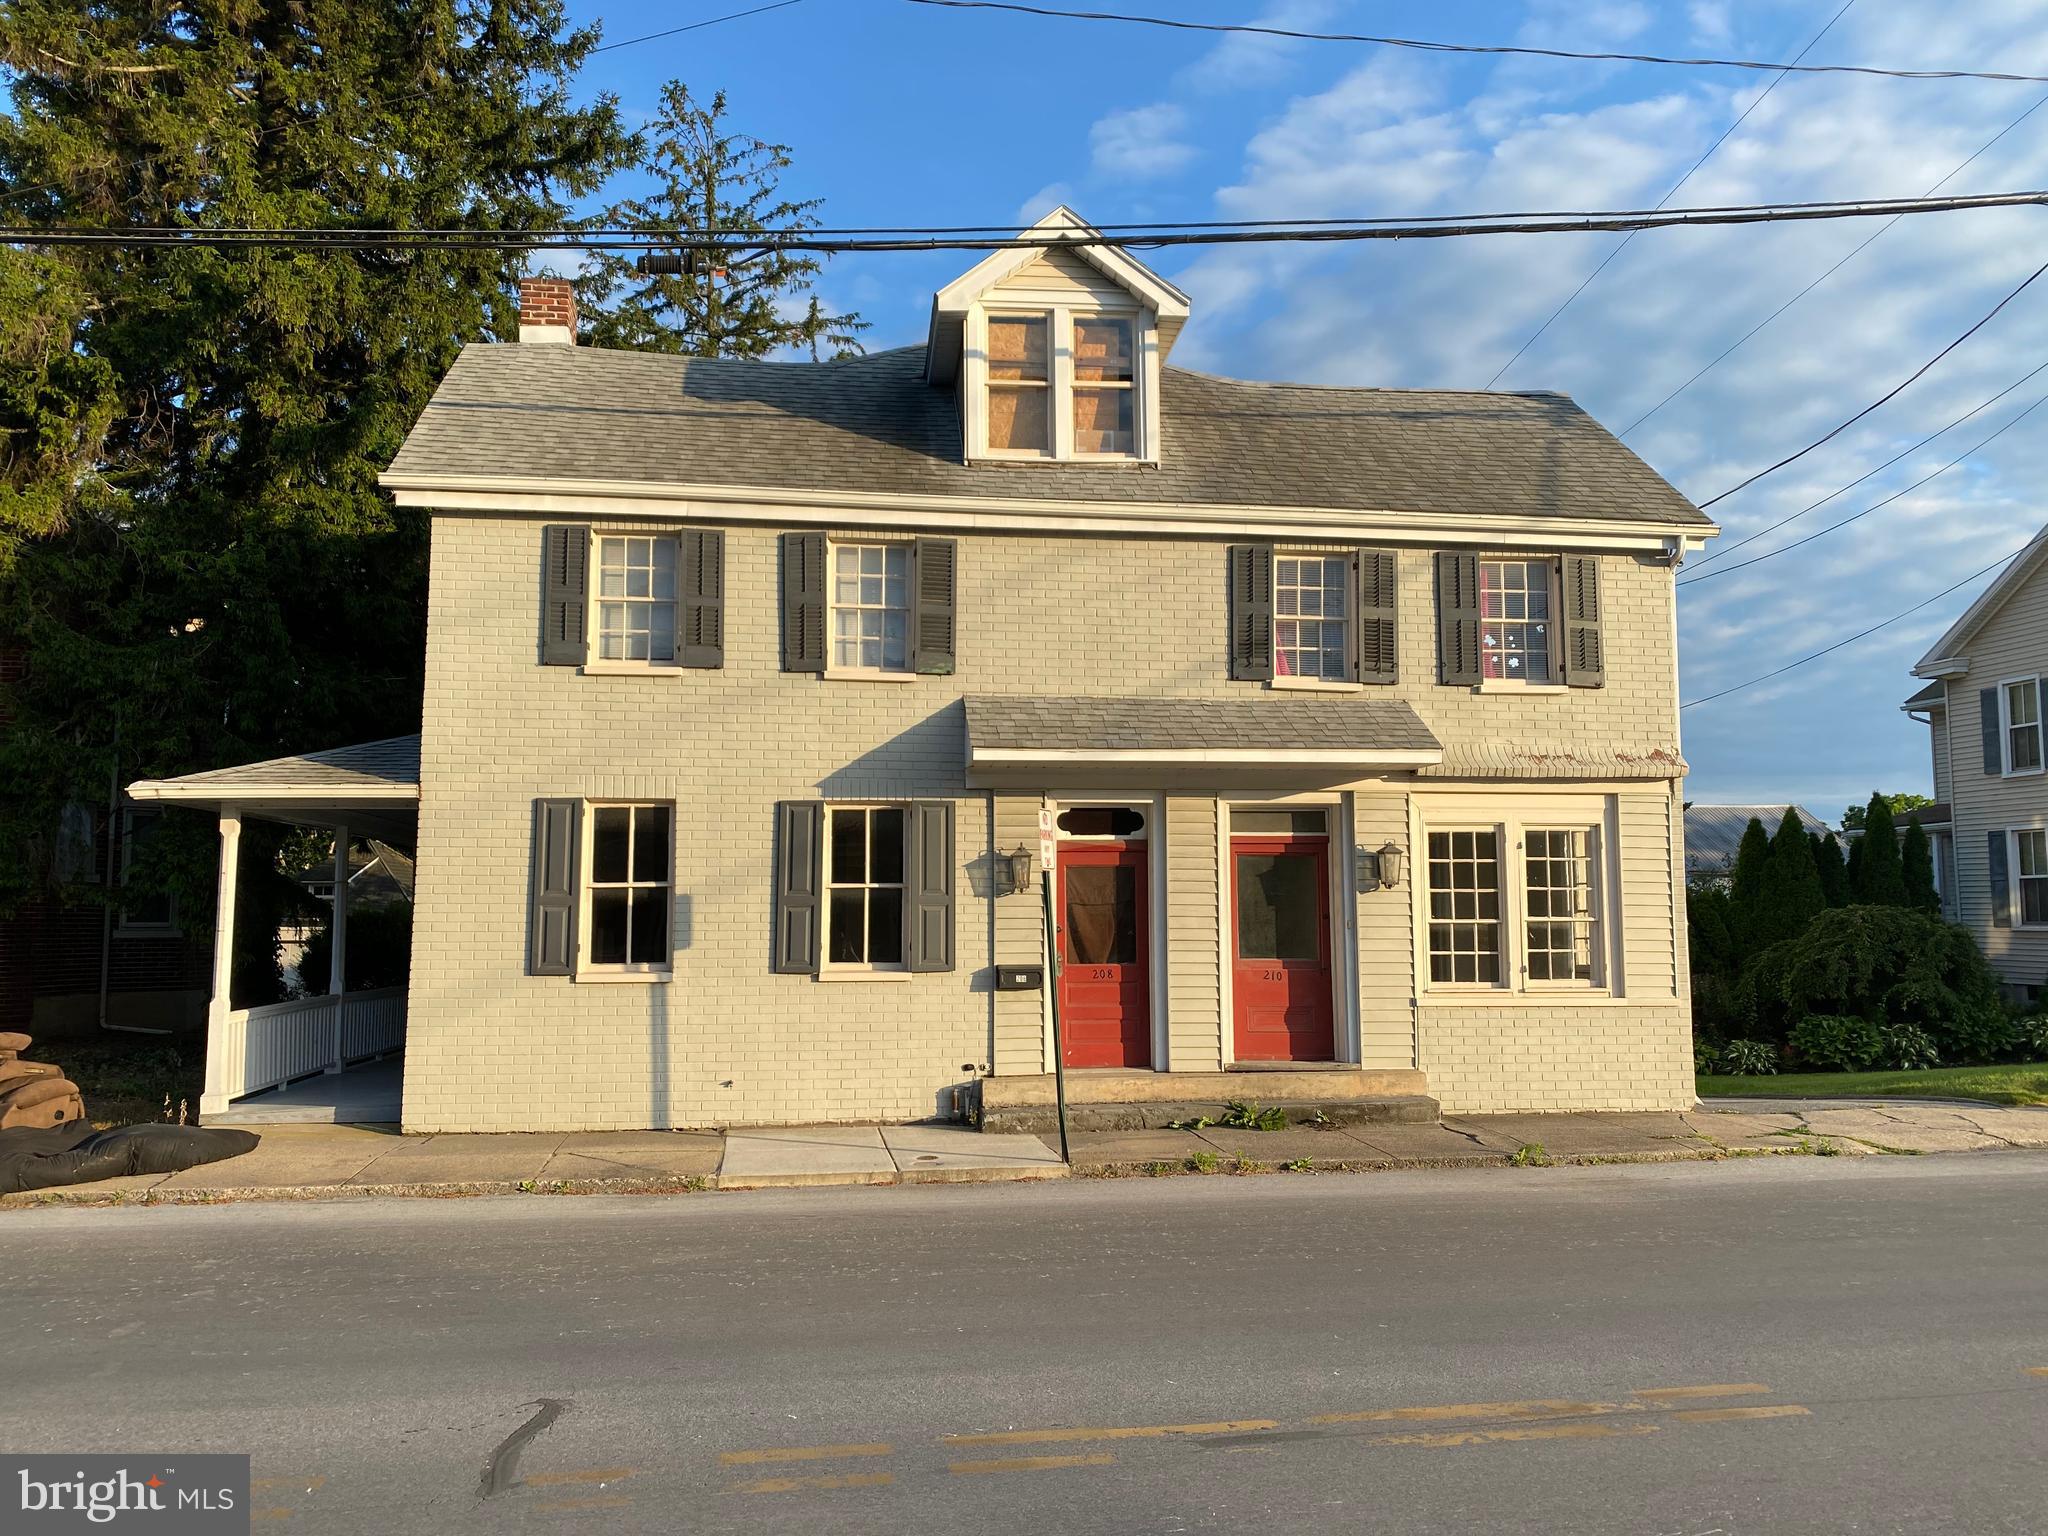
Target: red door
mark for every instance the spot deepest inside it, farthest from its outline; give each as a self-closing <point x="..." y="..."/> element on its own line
<point x="1280" y="976"/>
<point x="1105" y="992"/>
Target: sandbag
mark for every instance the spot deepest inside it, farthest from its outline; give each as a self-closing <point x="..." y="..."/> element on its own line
<point x="14" y="1073"/>
<point x="40" y="1102"/>
<point x="12" y="1041"/>
<point x="78" y="1154"/>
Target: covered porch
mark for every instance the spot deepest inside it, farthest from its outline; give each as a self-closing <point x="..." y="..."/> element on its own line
<point x="329" y="1056"/>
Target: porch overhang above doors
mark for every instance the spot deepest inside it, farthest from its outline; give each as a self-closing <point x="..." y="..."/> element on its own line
<point x="1027" y="741"/>
<point x="373" y="786"/>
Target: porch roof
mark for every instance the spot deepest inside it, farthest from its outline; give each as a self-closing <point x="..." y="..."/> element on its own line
<point x="1337" y="732"/>
<point x="386" y="771"/>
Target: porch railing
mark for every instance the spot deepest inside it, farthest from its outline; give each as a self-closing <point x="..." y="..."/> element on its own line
<point x="277" y="1042"/>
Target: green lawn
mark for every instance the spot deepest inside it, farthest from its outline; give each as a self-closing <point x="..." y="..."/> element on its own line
<point x="2024" y="1083"/>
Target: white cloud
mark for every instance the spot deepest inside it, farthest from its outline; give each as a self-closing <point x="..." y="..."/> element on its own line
<point x="1043" y="201"/>
<point x="1141" y="144"/>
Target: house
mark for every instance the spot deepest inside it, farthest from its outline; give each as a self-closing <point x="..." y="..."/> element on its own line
<point x="1713" y="835"/>
<point x="1982" y="704"/>
<point x="756" y="693"/>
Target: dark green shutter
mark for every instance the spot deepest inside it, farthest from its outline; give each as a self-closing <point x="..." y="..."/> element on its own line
<point x="1585" y="662"/>
<point x="565" y="587"/>
<point x="1379" y="577"/>
<point x="551" y="918"/>
<point x="2001" y="881"/>
<point x="933" y="585"/>
<point x="928" y="904"/>
<point x="1994" y="735"/>
<point x="1457" y="619"/>
<point x="803" y="602"/>
<point x="701" y="634"/>
<point x="1251" y="612"/>
<point x="799" y="865"/>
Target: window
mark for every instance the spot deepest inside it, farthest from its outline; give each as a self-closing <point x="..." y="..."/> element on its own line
<point x="1105" y="388"/>
<point x="1558" y="902"/>
<point x="636" y="598"/>
<point x="1019" y="384"/>
<point x="143" y="909"/>
<point x="1311" y="617"/>
<point x="864" y="879"/>
<point x="1464" y="907"/>
<point x="2020" y="702"/>
<point x="630" y="886"/>
<point x="1514" y="621"/>
<point x="2030" y="875"/>
<point x="871" y="607"/>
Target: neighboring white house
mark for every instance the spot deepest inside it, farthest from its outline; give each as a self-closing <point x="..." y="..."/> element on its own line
<point x="1984" y="709"/>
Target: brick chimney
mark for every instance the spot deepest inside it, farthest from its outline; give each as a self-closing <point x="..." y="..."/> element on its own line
<point x="547" y="310"/>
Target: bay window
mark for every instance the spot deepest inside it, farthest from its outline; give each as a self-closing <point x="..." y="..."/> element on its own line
<point x="1516" y="901"/>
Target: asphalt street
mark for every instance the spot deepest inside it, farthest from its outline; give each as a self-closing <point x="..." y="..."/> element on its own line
<point x="1794" y="1344"/>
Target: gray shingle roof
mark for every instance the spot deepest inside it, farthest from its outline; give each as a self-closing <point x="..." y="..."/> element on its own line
<point x="1341" y="723"/>
<point x="393" y="763"/>
<point x="1935" y="692"/>
<point x="874" y="425"/>
<point x="1713" y="833"/>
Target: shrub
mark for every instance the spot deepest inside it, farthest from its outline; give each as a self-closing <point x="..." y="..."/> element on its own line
<point x="2030" y="1036"/>
<point x="1750" y="1058"/>
<point x="1706" y="1055"/>
<point x="1836" y="1042"/>
<point x="1908" y="1048"/>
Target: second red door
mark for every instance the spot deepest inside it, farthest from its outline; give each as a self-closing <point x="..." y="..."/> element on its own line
<point x="1105" y="994"/>
<point x="1280" y="973"/>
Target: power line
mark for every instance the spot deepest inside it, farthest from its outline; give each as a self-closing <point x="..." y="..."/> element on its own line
<point x="1822" y="533"/>
<point x="1436" y="47"/>
<point x="709" y="21"/>
<point x="1883" y="399"/>
<point x="1814" y="506"/>
<point x="1622" y="244"/>
<point x="168" y="236"/>
<point x="1859" y="635"/>
<point x="1742" y="340"/>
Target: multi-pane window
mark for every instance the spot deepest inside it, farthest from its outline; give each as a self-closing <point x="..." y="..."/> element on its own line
<point x="630" y="884"/>
<point x="871" y="606"/>
<point x="1105" y="390"/>
<point x="1464" y="906"/>
<point x="864" y="861"/>
<point x="1311" y="616"/>
<point x="636" y="598"/>
<point x="1514" y="620"/>
<point x="2022" y="725"/>
<point x="1558" y="901"/>
<point x="2030" y="871"/>
<point x="1019" y="384"/>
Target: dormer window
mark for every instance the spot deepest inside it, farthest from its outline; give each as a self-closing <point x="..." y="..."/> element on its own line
<point x="1105" y="387"/>
<point x="1061" y="383"/>
<point x="1019" y="384"/>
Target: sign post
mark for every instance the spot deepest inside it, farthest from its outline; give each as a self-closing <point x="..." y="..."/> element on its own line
<point x="1047" y="870"/>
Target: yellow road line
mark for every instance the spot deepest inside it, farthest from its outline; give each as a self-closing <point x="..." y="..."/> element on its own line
<point x="1031" y="1464"/>
<point x="1725" y="1415"/>
<point x="801" y="1453"/>
<point x="1722" y="1389"/>
<point x="1533" y="1408"/>
<point x="1441" y="1439"/>
<point x="829" y="1480"/>
<point x="602" y="1501"/>
<point x="1124" y="1432"/>
<point x="2037" y="1370"/>
<point x="587" y="1475"/>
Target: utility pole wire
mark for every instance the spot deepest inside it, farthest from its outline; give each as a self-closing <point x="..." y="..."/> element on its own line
<point x="1622" y="244"/>
<point x="1892" y="394"/>
<point x="1435" y="47"/>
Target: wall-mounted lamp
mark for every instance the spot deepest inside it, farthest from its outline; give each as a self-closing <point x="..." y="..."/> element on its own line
<point x="1389" y="858"/>
<point x="1014" y="870"/>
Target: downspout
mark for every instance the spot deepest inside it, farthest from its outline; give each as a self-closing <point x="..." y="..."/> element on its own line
<point x="113" y="850"/>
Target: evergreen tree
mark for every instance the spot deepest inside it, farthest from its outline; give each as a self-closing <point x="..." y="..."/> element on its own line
<point x="1834" y="873"/>
<point x="207" y="570"/>
<point x="711" y="180"/>
<point x="1746" y="884"/>
<point x="1879" y="880"/>
<point x="1791" y="895"/>
<point x="1916" y="869"/>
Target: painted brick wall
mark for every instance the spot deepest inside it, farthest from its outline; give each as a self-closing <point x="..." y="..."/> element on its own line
<point x="726" y="1041"/>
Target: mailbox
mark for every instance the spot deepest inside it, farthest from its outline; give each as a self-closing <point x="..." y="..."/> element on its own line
<point x="1020" y="978"/>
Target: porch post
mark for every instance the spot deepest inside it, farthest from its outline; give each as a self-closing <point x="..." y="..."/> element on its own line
<point x="220" y="1052"/>
<point x="337" y="957"/>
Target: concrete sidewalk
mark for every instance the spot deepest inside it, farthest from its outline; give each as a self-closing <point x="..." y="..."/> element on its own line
<point x="340" y="1161"/>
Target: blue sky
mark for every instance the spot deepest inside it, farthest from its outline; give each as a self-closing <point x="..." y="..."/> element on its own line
<point x="904" y="114"/>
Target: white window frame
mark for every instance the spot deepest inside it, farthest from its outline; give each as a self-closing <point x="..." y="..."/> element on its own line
<point x="833" y="668"/>
<point x="1059" y="318"/>
<point x="593" y="623"/>
<point x="586" y="868"/>
<point x="2006" y="728"/>
<point x="143" y="928"/>
<point x="1511" y="821"/>
<point x="828" y="968"/>
<point x="1345" y="681"/>
<point x="2013" y="877"/>
<point x="1553" y="575"/>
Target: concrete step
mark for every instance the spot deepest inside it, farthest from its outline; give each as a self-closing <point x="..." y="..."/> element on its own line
<point x="1269" y="1084"/>
<point x="1160" y="1114"/>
